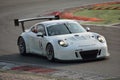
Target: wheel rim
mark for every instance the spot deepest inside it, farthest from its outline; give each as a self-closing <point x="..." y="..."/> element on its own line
<point x="50" y="52"/>
<point x="21" y="46"/>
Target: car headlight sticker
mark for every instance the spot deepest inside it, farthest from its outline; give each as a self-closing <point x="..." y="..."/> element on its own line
<point x="101" y="39"/>
<point x="62" y="43"/>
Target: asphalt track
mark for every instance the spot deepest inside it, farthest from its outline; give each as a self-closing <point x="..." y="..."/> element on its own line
<point x="11" y="9"/>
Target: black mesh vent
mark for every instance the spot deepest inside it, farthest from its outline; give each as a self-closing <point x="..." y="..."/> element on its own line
<point x="91" y="54"/>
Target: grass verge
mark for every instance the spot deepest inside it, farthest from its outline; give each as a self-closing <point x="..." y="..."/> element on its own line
<point x="107" y="16"/>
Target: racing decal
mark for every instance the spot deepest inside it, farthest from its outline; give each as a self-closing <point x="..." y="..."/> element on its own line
<point x="40" y="44"/>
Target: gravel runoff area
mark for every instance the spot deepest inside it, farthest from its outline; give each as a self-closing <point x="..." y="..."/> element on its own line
<point x="6" y="73"/>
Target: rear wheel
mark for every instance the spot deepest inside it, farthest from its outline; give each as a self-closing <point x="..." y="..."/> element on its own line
<point x="22" y="46"/>
<point x="50" y="52"/>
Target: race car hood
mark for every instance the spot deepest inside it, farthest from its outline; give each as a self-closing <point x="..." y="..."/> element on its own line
<point x="81" y="39"/>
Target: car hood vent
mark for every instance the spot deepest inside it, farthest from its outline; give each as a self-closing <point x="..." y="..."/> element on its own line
<point x="79" y="37"/>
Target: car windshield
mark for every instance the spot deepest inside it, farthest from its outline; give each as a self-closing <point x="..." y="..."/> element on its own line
<point x="65" y="28"/>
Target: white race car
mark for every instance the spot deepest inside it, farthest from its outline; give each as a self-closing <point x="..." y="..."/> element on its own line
<point x="61" y="39"/>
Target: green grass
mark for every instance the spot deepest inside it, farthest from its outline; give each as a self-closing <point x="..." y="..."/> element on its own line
<point x="114" y="5"/>
<point x="108" y="16"/>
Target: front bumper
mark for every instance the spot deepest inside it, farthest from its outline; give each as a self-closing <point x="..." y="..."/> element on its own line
<point x="83" y="53"/>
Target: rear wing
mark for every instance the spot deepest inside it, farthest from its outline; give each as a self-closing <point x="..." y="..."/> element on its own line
<point x="18" y="21"/>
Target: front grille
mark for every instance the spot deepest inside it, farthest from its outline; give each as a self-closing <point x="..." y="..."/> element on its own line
<point x="91" y="54"/>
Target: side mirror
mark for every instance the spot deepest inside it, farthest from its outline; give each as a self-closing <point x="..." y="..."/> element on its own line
<point x="39" y="34"/>
<point x="87" y="29"/>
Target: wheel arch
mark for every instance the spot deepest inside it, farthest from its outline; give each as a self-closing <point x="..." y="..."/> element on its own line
<point x="47" y="45"/>
<point x="18" y="39"/>
<point x="26" y="43"/>
<point x="53" y="59"/>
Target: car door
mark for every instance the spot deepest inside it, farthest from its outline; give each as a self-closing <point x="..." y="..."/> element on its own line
<point x="38" y="40"/>
<point x="32" y="37"/>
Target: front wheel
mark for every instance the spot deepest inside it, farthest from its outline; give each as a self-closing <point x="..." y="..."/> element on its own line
<point x="21" y="46"/>
<point x="50" y="52"/>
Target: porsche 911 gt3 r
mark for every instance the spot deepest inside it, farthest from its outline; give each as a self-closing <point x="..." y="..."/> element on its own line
<point x="61" y="39"/>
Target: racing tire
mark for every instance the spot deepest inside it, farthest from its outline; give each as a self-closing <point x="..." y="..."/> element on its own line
<point x="50" y="53"/>
<point x="22" y="46"/>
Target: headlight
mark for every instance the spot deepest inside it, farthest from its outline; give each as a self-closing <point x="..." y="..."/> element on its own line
<point x="62" y="43"/>
<point x="101" y="39"/>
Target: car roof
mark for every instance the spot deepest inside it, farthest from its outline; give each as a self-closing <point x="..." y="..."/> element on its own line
<point x="52" y="22"/>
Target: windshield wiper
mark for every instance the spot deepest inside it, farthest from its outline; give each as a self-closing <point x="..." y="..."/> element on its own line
<point x="67" y="28"/>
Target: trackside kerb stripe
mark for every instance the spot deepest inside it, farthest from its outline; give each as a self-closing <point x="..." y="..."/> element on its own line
<point x="34" y="69"/>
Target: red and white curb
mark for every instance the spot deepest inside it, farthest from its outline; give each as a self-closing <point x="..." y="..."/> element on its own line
<point x="34" y="69"/>
<point x="25" y="67"/>
<point x="53" y="72"/>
